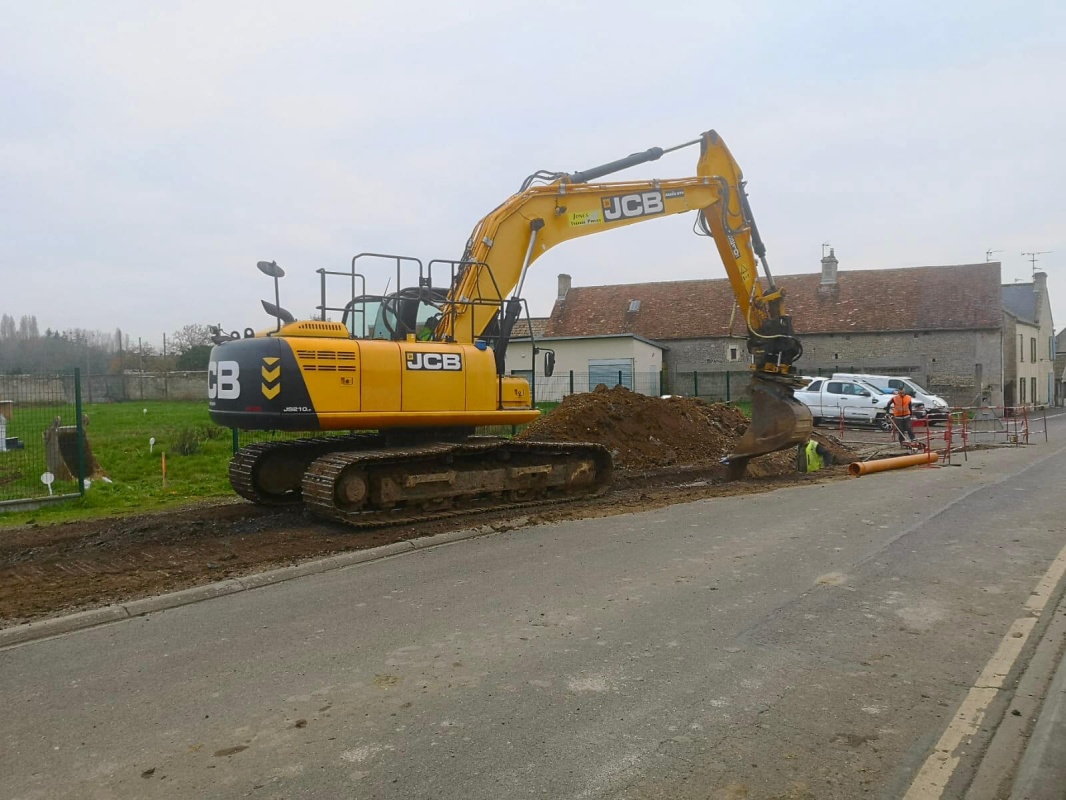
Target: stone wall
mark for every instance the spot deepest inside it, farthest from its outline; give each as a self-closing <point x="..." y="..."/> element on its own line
<point x="962" y="366"/>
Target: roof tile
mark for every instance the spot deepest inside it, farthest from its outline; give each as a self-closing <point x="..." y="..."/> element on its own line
<point x="960" y="297"/>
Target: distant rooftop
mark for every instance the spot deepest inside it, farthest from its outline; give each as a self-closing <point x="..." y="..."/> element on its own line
<point x="958" y="297"/>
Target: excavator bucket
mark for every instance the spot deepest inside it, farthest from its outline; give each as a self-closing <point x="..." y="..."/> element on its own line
<point x="778" y="421"/>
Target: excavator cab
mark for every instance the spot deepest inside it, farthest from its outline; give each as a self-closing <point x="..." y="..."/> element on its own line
<point x="409" y="311"/>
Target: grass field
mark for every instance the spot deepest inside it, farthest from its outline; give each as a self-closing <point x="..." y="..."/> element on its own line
<point x="119" y="435"/>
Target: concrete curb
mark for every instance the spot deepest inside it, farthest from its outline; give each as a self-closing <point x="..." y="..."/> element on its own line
<point x="1042" y="771"/>
<point x="59" y="625"/>
<point x="33" y="631"/>
<point x="1017" y="711"/>
<point x="150" y="605"/>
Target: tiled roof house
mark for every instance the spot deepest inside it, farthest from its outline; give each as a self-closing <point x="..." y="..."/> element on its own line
<point x="939" y="324"/>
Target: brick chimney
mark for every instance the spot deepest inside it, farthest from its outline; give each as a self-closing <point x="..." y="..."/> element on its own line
<point x="829" y="268"/>
<point x="564" y="285"/>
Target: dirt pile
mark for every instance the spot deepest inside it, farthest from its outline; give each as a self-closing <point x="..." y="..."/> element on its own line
<point x="649" y="432"/>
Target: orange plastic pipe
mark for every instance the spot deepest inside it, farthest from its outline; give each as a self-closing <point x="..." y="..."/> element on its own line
<point x="882" y="464"/>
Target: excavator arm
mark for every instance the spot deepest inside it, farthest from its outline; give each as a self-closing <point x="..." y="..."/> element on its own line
<point x="505" y="244"/>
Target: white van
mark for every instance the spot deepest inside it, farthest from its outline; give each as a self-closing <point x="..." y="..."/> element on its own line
<point x="854" y="399"/>
<point x="936" y="408"/>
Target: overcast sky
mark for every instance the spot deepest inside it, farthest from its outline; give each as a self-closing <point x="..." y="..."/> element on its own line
<point x="151" y="153"/>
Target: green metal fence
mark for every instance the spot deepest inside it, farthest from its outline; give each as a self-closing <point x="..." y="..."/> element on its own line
<point x="713" y="386"/>
<point x="42" y="452"/>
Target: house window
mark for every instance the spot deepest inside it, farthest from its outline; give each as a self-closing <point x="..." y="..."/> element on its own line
<point x="1032" y="393"/>
<point x="733" y="353"/>
<point x="1032" y="349"/>
<point x="1022" y="384"/>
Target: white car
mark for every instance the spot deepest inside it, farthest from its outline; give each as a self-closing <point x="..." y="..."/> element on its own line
<point x="858" y="401"/>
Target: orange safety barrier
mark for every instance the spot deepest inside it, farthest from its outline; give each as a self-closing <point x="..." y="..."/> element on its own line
<point x="867" y="467"/>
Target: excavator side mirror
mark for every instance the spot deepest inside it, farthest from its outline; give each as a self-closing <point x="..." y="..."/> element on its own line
<point x="549" y="363"/>
<point x="271" y="268"/>
<point x="278" y="312"/>
<point x="274" y="309"/>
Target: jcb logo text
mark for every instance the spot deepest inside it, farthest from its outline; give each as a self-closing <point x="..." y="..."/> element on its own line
<point x="222" y="380"/>
<point x="435" y="362"/>
<point x="628" y="206"/>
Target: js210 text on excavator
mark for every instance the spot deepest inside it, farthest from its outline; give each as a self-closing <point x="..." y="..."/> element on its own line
<point x="410" y="374"/>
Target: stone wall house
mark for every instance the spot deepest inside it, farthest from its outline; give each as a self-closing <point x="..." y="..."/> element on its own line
<point x="1029" y="375"/>
<point x="1060" y="369"/>
<point x="942" y="326"/>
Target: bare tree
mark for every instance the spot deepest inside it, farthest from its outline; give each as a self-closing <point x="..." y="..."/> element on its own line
<point x="190" y="336"/>
<point x="7" y="327"/>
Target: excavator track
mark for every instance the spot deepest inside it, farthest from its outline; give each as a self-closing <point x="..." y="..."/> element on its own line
<point x="398" y="485"/>
<point x="270" y="473"/>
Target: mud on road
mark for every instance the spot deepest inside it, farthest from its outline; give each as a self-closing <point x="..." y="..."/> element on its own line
<point x="665" y="452"/>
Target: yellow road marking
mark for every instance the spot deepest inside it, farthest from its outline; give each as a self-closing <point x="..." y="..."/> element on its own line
<point x="1038" y="599"/>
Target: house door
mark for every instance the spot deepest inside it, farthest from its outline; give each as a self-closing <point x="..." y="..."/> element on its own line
<point x="607" y="372"/>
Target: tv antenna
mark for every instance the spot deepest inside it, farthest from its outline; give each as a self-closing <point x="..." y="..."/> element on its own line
<point x="1033" y="257"/>
<point x="990" y="253"/>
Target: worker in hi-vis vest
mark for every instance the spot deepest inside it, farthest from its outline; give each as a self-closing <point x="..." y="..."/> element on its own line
<point x="901" y="414"/>
<point x="814" y="455"/>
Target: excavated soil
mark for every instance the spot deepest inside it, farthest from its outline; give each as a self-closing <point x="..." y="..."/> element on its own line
<point x="645" y="433"/>
<point x="666" y="451"/>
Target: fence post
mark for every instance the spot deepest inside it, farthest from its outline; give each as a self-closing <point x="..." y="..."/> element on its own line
<point x="727" y="397"/>
<point x="620" y="378"/>
<point x="660" y="392"/>
<point x="695" y="384"/>
<point x="80" y="431"/>
<point x="571" y="381"/>
<point x="236" y="440"/>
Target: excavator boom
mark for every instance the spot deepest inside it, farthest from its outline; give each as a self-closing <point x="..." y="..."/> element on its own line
<point x="507" y="241"/>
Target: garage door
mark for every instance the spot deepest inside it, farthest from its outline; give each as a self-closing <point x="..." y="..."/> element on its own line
<point x="607" y="372"/>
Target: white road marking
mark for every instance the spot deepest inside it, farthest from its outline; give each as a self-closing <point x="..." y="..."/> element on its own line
<point x="932" y="779"/>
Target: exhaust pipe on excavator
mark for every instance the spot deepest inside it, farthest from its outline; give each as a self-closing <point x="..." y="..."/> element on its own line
<point x="778" y="421"/>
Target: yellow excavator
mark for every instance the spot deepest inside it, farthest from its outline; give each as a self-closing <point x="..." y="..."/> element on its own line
<point x="410" y="374"/>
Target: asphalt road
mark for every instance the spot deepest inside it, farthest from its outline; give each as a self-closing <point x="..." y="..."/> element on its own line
<point x="813" y="642"/>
